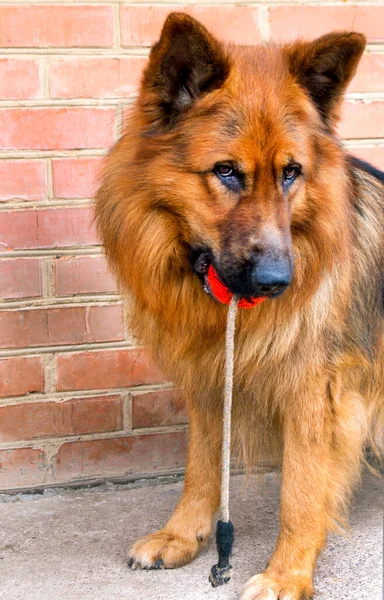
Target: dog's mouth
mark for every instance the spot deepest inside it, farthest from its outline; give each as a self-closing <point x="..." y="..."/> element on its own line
<point x="213" y="285"/>
<point x="201" y="262"/>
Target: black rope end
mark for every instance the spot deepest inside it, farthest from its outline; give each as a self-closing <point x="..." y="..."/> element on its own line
<point x="225" y="535"/>
<point x="220" y="576"/>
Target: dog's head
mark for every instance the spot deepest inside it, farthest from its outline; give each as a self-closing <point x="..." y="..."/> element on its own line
<point x="242" y="148"/>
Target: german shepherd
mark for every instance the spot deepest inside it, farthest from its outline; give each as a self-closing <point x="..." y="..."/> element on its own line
<point x="230" y="160"/>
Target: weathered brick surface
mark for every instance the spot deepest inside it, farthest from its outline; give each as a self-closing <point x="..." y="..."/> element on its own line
<point x="370" y="74"/>
<point x="57" y="326"/>
<point x="55" y="25"/>
<point x="83" y="275"/>
<point x="155" y="409"/>
<point x="72" y="416"/>
<point x="95" y="77"/>
<point x="19" y="79"/>
<point x="105" y="369"/>
<point x="20" y="375"/>
<point x="361" y="119"/>
<point x="22" y="467"/>
<point x="292" y="21"/>
<point x="147" y="453"/>
<point x="47" y="228"/>
<point x="20" y="278"/>
<point x="22" y="179"/>
<point x="141" y="25"/>
<point x="56" y="128"/>
<point x="75" y="177"/>
<point x="68" y="74"/>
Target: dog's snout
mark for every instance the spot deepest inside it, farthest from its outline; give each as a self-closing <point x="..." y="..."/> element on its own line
<point x="269" y="282"/>
<point x="262" y="274"/>
<point x="271" y="277"/>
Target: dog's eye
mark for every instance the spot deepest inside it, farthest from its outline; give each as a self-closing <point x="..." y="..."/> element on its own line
<point x="290" y="173"/>
<point x="224" y="170"/>
<point x="229" y="176"/>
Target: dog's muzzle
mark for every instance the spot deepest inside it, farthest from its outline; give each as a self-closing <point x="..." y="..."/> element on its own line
<point x="215" y="287"/>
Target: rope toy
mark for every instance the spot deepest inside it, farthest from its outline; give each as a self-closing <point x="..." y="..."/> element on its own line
<point x="221" y="572"/>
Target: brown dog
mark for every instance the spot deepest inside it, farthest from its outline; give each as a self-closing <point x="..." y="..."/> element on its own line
<point x="230" y="159"/>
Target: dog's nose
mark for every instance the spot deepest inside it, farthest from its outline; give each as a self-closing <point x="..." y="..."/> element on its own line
<point x="274" y="288"/>
<point x="271" y="282"/>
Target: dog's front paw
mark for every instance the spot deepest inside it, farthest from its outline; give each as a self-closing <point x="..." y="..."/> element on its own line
<point x="162" y="550"/>
<point x="268" y="587"/>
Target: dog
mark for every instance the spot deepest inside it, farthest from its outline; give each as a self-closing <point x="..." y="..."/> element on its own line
<point x="230" y="161"/>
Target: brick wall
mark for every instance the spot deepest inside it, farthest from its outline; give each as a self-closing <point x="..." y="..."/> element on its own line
<point x="78" y="399"/>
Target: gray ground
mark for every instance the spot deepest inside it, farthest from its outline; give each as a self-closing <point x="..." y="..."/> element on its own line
<point x="73" y="544"/>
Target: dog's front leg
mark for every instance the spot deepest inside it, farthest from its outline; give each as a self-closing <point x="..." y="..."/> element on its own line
<point x="323" y="440"/>
<point x="190" y="526"/>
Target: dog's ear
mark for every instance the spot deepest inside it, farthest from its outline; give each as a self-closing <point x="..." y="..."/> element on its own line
<point x="324" y="68"/>
<point x="184" y="64"/>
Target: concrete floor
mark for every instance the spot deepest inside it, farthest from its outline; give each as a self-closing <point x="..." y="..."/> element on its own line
<point x="73" y="544"/>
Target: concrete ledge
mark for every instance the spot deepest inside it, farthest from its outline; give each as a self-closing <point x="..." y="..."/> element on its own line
<point x="73" y="544"/>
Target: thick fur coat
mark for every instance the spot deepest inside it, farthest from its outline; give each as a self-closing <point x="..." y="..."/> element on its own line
<point x="230" y="153"/>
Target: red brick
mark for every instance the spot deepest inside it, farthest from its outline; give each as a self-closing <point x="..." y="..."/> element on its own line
<point x="83" y="275"/>
<point x="136" y="454"/>
<point x="75" y="177"/>
<point x="21" y="375"/>
<point x="289" y="22"/>
<point x="20" y="278"/>
<point x="373" y="155"/>
<point x="22" y="179"/>
<point x="370" y="74"/>
<point x="74" y="416"/>
<point x="55" y="326"/>
<point x="21" y="467"/>
<point x="65" y="26"/>
<point x="141" y="25"/>
<point x="104" y="369"/>
<point x="19" y="79"/>
<point x="47" y="228"/>
<point x="56" y="128"/>
<point x="95" y="77"/>
<point x="362" y="119"/>
<point x="153" y="409"/>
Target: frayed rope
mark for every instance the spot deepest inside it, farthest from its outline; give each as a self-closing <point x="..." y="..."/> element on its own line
<point x="221" y="573"/>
